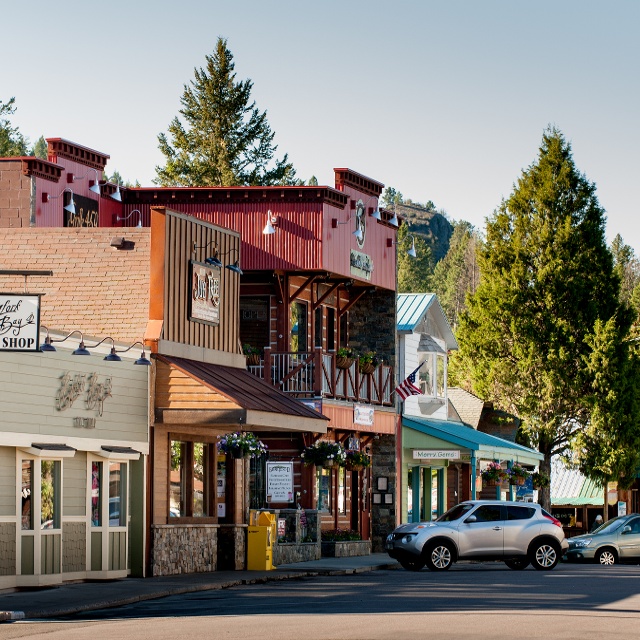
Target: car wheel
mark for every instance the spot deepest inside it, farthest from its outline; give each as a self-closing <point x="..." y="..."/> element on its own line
<point x="544" y="555"/>
<point x="412" y="565"/>
<point x="439" y="556"/>
<point x="606" y="556"/>
<point x="517" y="564"/>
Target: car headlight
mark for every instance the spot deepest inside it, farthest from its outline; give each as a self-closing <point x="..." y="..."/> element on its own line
<point x="580" y="544"/>
<point x="408" y="538"/>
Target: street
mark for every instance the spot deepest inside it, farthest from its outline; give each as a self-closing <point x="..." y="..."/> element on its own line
<point x="471" y="600"/>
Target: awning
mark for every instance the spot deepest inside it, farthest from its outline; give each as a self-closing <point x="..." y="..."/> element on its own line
<point x="118" y="453"/>
<point x="49" y="450"/>
<point x="485" y="445"/>
<point x="253" y="403"/>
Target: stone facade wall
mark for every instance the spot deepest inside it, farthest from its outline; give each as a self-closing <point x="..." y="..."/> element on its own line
<point x="372" y="325"/>
<point x="383" y="516"/>
<point x="7" y="549"/>
<point x="346" y="549"/>
<point x="306" y="540"/>
<point x="183" y="549"/>
<point x="232" y="547"/>
<point x="74" y="547"/>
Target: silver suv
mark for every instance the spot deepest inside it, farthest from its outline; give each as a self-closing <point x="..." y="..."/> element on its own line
<point x="518" y="533"/>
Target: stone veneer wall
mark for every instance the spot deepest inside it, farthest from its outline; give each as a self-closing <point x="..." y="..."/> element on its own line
<point x="346" y="549"/>
<point x="372" y="325"/>
<point x="383" y="516"/>
<point x="74" y="547"/>
<point x="188" y="548"/>
<point x="7" y="549"/>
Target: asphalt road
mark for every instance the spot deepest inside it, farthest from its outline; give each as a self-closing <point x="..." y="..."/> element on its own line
<point x="470" y="601"/>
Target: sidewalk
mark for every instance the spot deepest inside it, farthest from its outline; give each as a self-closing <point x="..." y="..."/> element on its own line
<point x="51" y="602"/>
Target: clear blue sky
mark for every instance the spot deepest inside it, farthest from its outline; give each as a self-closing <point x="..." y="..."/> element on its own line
<point x="445" y="101"/>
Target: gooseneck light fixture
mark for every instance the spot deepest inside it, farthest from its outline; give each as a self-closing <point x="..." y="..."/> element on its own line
<point x="412" y="253"/>
<point x="123" y="218"/>
<point x="270" y="227"/>
<point x="71" y="207"/>
<point x="235" y="267"/>
<point x="214" y="260"/>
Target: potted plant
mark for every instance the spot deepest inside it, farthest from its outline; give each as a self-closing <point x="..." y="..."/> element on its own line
<point x="252" y="354"/>
<point x="344" y="357"/>
<point x="241" y="444"/>
<point x="324" y="454"/>
<point x="517" y="475"/>
<point x="494" y="474"/>
<point x="367" y="362"/>
<point x="357" y="460"/>
<point x="540" y="480"/>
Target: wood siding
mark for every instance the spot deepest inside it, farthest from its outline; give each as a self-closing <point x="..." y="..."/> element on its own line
<point x="7" y="481"/>
<point x="74" y="497"/>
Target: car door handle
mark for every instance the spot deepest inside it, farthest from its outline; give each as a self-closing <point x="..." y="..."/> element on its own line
<point x="497" y="528"/>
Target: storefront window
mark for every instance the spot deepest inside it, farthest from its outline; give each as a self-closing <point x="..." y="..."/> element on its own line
<point x="323" y="488"/>
<point x="426" y="374"/>
<point x="258" y="483"/>
<point x="318" y="327"/>
<point x="96" y="494"/>
<point x="191" y="479"/>
<point x="177" y="497"/>
<point x="199" y="465"/>
<point x="117" y="494"/>
<point x="298" y="327"/>
<point x="49" y="494"/>
<point x="27" y="486"/>
<point x="342" y="490"/>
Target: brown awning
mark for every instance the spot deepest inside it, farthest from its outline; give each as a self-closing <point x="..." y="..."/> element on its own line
<point x="251" y="401"/>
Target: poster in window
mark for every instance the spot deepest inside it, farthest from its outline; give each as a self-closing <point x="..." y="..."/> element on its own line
<point x="279" y="481"/>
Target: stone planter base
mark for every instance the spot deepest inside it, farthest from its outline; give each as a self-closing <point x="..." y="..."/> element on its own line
<point x="347" y="549"/>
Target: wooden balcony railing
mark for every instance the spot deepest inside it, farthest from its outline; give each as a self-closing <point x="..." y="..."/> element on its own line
<point x="314" y="374"/>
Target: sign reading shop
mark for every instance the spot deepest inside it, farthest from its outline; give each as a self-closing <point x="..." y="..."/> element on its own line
<point x="19" y="322"/>
<point x="204" y="304"/>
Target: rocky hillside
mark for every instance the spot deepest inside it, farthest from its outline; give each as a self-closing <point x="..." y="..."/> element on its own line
<point x="434" y="228"/>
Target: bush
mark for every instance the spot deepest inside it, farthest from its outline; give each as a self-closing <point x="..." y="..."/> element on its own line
<point x="340" y="535"/>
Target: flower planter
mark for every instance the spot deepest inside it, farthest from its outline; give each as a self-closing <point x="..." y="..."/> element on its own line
<point x="493" y="483"/>
<point x="253" y="360"/>
<point x="328" y="464"/>
<point x="346" y="549"/>
<point x="343" y="363"/>
<point x="517" y="481"/>
<point x="355" y="467"/>
<point x="367" y="368"/>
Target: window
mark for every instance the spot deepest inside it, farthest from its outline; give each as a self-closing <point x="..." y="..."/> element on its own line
<point x="96" y="494"/>
<point x="323" y="488"/>
<point x="258" y="482"/>
<point x="298" y="340"/>
<point x="191" y="476"/>
<point x="331" y="329"/>
<point x="117" y="494"/>
<point x="27" y="489"/>
<point x="342" y="490"/>
<point x="441" y="381"/>
<point x="318" y="327"/>
<point x="254" y="321"/>
<point x="49" y="494"/>
<point x="344" y="330"/>
<point x="426" y="375"/>
<point x="487" y="513"/>
<point x="520" y="513"/>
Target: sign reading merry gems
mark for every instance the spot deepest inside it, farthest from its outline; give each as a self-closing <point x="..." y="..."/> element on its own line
<point x="19" y="322"/>
<point x="436" y="454"/>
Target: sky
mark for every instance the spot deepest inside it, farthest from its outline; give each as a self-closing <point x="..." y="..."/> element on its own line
<point x="444" y="101"/>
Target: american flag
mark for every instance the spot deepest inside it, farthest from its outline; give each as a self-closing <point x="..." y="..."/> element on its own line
<point x="407" y="387"/>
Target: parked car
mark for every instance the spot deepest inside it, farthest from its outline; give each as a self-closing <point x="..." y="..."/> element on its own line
<point x="517" y="533"/>
<point x="617" y="540"/>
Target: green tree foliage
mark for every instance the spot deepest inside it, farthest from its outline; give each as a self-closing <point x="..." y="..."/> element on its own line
<point x="414" y="274"/>
<point x="313" y="181"/>
<point x="627" y="266"/>
<point x="391" y="197"/>
<point x="12" y="142"/>
<point x="222" y="139"/>
<point x="457" y="273"/>
<point x="40" y="149"/>
<point x="546" y="279"/>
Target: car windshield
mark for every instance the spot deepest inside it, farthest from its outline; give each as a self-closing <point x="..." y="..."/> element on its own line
<point x="455" y="513"/>
<point x="611" y="525"/>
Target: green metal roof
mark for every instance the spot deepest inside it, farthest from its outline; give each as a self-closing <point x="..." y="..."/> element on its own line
<point x="462" y="435"/>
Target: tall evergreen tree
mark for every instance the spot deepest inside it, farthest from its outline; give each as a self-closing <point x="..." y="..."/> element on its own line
<point x="40" y="148"/>
<point x="414" y="274"/>
<point x="12" y="142"/>
<point x="225" y="140"/>
<point x="546" y="278"/>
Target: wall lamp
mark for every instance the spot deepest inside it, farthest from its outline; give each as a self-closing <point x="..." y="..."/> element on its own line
<point x="272" y="222"/>
<point x="214" y="260"/>
<point x="411" y="252"/>
<point x="374" y="212"/>
<point x="82" y="349"/>
<point x="235" y="267"/>
<point x="93" y="184"/>
<point x="123" y="218"/>
<point x="357" y="233"/>
<point x="71" y="207"/>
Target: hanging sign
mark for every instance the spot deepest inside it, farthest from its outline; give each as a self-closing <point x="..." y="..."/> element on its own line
<point x="363" y="414"/>
<point x="279" y="481"/>
<point x="19" y="322"/>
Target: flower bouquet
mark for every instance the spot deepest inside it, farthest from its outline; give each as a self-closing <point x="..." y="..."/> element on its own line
<point x="494" y="474"/>
<point x="324" y="454"/>
<point x="241" y="444"/>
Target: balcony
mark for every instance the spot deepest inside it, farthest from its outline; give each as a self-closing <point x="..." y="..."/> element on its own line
<point x="315" y="374"/>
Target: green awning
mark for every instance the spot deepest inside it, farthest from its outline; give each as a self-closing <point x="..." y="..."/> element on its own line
<point x="485" y="445"/>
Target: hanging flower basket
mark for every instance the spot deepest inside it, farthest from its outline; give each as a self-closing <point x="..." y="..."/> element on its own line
<point x="356" y="460"/>
<point x="367" y="368"/>
<point x="540" y="480"/>
<point x="492" y="483"/>
<point x="241" y="444"/>
<point x="324" y="454"/>
<point x="253" y="360"/>
<point x="517" y="475"/>
<point x="344" y="363"/>
<point x="494" y="475"/>
<point x="367" y="362"/>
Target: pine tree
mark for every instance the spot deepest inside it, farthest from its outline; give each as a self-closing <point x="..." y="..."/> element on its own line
<point x="40" y="148"/>
<point x="414" y="274"/>
<point x="546" y="278"/>
<point x="225" y="140"/>
<point x="12" y="142"/>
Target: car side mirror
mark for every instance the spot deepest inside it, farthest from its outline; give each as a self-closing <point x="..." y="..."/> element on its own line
<point x="626" y="529"/>
<point x="470" y="519"/>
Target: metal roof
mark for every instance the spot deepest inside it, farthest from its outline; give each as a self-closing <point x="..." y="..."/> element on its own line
<point x="411" y="309"/>
<point x="570" y="487"/>
<point x="465" y="436"/>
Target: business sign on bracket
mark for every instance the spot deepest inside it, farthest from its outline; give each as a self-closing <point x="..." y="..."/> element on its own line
<point x="19" y="322"/>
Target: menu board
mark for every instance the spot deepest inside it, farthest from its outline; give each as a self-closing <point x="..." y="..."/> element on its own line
<point x="279" y="481"/>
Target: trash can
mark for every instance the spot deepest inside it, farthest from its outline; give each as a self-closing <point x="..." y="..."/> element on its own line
<point x="260" y="540"/>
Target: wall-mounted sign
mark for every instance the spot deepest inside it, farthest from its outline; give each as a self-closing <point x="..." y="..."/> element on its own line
<point x="353" y="444"/>
<point x="279" y="481"/>
<point x="436" y="454"/>
<point x="19" y="322"/>
<point x="363" y="414"/>
<point x="204" y="303"/>
<point x="73" y="386"/>
<point x="86" y="214"/>
<point x="361" y="265"/>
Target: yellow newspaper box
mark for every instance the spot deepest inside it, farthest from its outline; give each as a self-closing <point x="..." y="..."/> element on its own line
<point x="260" y="540"/>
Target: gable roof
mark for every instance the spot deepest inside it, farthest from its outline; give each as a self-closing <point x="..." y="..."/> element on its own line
<point x="413" y="307"/>
<point x="466" y="405"/>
